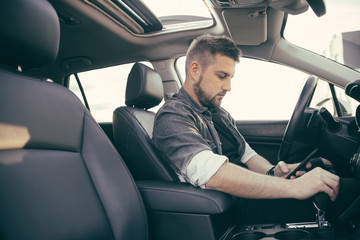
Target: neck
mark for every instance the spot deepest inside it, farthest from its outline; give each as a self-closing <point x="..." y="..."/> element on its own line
<point x="190" y="90"/>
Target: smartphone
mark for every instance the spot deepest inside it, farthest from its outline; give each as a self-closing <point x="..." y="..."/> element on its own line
<point x="302" y="164"/>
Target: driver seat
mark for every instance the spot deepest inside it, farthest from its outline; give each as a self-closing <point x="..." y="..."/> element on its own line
<point x="60" y="176"/>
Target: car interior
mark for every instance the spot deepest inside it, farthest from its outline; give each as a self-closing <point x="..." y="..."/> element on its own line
<point x="67" y="174"/>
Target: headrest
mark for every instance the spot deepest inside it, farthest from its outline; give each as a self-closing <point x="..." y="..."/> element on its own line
<point x="144" y="87"/>
<point x="30" y="33"/>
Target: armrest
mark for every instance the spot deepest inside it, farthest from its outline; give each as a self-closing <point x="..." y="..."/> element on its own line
<point x="183" y="197"/>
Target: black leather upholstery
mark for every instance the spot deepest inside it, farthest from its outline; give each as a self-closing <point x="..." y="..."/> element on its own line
<point x="133" y="126"/>
<point x="60" y="176"/>
<point x="159" y="196"/>
<point x="20" y="22"/>
<point x="144" y="87"/>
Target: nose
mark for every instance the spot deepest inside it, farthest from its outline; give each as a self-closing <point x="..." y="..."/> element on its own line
<point x="227" y="85"/>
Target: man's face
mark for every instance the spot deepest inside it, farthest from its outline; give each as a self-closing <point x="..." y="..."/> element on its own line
<point x="215" y="81"/>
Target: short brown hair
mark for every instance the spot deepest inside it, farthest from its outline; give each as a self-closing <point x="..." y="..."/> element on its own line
<point x="205" y="46"/>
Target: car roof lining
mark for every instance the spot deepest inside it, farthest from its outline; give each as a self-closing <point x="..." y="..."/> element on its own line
<point x="80" y="48"/>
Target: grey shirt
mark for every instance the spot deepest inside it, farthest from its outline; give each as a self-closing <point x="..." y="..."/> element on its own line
<point x="183" y="129"/>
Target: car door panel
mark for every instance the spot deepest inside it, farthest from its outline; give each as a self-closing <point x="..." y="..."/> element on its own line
<point x="263" y="136"/>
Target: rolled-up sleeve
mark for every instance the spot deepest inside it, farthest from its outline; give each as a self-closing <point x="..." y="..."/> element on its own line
<point x="249" y="153"/>
<point x="203" y="166"/>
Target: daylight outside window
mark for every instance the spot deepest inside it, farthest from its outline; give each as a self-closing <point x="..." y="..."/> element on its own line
<point x="182" y="13"/>
<point x="335" y="35"/>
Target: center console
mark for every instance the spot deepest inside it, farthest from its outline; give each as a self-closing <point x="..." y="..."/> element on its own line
<point x="179" y="211"/>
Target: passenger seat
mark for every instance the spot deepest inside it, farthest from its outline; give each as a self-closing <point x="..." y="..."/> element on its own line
<point x="133" y="126"/>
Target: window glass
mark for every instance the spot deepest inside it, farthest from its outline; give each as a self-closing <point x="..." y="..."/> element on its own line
<point x="104" y="89"/>
<point x="180" y="67"/>
<point x="180" y="11"/>
<point x="323" y="98"/>
<point x="347" y="104"/>
<point x="261" y="90"/>
<point x="334" y="35"/>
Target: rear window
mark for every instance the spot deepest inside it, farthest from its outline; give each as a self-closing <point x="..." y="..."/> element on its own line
<point x="104" y="89"/>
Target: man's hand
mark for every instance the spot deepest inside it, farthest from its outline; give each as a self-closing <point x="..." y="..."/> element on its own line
<point x="282" y="169"/>
<point x="317" y="180"/>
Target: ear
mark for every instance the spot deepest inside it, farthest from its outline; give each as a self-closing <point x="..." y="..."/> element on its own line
<point x="194" y="70"/>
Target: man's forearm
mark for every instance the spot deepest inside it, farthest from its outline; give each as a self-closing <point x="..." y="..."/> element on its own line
<point x="259" y="164"/>
<point x="241" y="182"/>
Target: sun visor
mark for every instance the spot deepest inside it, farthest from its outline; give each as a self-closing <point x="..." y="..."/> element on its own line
<point x="246" y="26"/>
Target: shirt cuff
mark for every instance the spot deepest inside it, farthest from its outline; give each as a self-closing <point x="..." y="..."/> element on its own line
<point x="203" y="166"/>
<point x="249" y="153"/>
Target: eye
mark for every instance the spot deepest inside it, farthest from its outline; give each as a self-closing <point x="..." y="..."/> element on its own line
<point x="222" y="76"/>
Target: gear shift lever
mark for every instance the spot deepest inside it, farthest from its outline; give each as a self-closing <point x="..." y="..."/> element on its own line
<point x="321" y="201"/>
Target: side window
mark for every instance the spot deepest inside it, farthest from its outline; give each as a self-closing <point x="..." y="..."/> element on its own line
<point x="104" y="89"/>
<point x="323" y="98"/>
<point x="347" y="104"/>
<point x="180" y="67"/>
<point x="261" y="90"/>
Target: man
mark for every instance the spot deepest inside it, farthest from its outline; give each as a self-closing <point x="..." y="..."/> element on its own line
<point x="191" y="127"/>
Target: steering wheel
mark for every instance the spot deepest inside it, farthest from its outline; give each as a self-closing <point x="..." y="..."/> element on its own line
<point x="297" y="117"/>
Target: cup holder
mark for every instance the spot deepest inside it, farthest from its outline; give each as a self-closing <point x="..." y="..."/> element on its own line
<point x="293" y="235"/>
<point x="249" y="236"/>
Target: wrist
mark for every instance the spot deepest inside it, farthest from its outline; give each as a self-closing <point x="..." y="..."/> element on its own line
<point x="295" y="189"/>
<point x="271" y="171"/>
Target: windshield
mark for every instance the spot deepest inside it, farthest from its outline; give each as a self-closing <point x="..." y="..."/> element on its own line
<point x="335" y="35"/>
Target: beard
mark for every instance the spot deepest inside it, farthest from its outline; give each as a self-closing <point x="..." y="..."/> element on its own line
<point x="205" y="98"/>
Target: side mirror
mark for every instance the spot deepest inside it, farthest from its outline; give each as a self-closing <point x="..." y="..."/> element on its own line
<point x="353" y="90"/>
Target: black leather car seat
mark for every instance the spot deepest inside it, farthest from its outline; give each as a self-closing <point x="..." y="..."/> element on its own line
<point x="133" y="126"/>
<point x="60" y="176"/>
